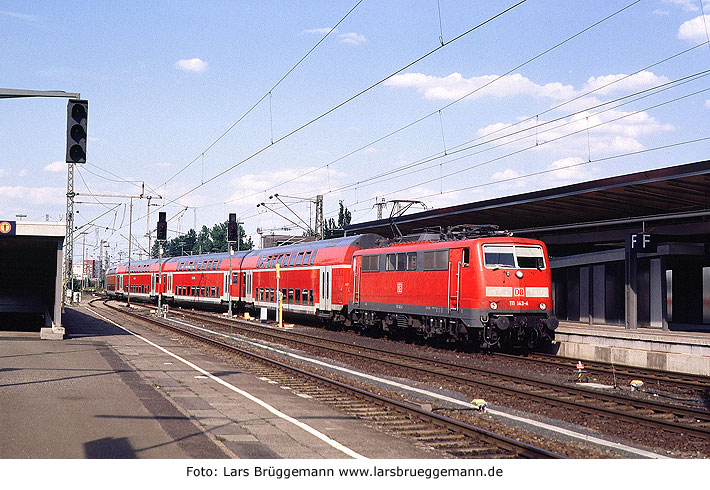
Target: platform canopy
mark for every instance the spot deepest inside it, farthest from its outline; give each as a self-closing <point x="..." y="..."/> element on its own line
<point x="672" y="201"/>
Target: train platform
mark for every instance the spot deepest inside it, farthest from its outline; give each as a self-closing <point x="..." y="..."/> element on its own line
<point x="679" y="351"/>
<point x="105" y="392"/>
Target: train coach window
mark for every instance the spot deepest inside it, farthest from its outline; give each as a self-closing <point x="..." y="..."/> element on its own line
<point x="391" y="262"/>
<point x="299" y="258"/>
<point x="290" y="296"/>
<point x="306" y="257"/>
<point x="202" y="289"/>
<point x="310" y="297"/>
<point x="297" y="299"/>
<point x="401" y="262"/>
<point x="313" y="257"/>
<point x="292" y="262"/>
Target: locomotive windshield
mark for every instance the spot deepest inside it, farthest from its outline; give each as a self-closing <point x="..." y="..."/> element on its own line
<point x="513" y="256"/>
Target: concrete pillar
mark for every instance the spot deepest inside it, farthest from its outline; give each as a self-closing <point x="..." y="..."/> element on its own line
<point x="585" y="314"/>
<point x="56" y="331"/>
<point x="658" y="294"/>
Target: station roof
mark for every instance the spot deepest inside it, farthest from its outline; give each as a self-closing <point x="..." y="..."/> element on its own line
<point x="678" y="194"/>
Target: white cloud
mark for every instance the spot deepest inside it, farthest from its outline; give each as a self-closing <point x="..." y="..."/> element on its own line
<point x="694" y="30"/>
<point x="353" y="38"/>
<point x="686" y="5"/>
<point x="455" y="86"/>
<point x="17" y="15"/>
<point x="4" y="172"/>
<point x="570" y="169"/>
<point x="56" y="167"/>
<point x="661" y="12"/>
<point x="319" y="30"/>
<point x="164" y="164"/>
<point x="193" y="64"/>
<point x="506" y="174"/>
<point x="22" y="173"/>
<point x="33" y="196"/>
<point x="707" y="103"/>
<point x="306" y="179"/>
<point x="624" y="83"/>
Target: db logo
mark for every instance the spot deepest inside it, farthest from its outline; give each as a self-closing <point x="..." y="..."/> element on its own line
<point x="519" y="292"/>
<point x="399" y="288"/>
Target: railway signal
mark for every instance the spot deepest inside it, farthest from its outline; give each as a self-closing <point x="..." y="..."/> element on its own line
<point x="232" y="228"/>
<point x="77" y="114"/>
<point x="162" y="230"/>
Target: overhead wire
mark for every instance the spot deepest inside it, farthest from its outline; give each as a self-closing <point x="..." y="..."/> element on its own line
<point x="460" y="99"/>
<point x="267" y="94"/>
<point x="339" y="105"/>
<point x="461" y="147"/>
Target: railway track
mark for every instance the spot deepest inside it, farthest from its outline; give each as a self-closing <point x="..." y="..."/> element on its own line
<point x="445" y="434"/>
<point x="591" y="402"/>
<point x="699" y="384"/>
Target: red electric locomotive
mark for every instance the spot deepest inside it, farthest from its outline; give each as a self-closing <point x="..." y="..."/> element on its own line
<point x="474" y="286"/>
<point x="493" y="289"/>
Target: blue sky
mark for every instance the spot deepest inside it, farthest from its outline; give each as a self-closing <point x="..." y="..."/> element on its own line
<point x="166" y="79"/>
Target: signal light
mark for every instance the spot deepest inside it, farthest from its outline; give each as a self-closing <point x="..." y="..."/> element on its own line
<point x="162" y="230"/>
<point x="77" y="115"/>
<point x="232" y="228"/>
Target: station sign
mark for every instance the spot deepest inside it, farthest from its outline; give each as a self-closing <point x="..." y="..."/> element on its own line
<point x="7" y="228"/>
<point x="642" y="242"/>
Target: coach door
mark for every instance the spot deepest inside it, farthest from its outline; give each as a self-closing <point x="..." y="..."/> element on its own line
<point x="248" y="296"/>
<point x="455" y="256"/>
<point x="152" y="283"/>
<point x="356" y="281"/>
<point x="326" y="287"/>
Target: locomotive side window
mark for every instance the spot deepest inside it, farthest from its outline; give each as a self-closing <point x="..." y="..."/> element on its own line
<point x="465" y="258"/>
<point x="530" y="257"/>
<point x="412" y="261"/>
<point x="435" y="260"/>
<point x="401" y="262"/>
<point x="391" y="262"/>
<point x="370" y="263"/>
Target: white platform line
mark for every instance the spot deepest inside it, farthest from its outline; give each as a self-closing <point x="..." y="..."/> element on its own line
<point x="431" y="394"/>
<point x="278" y="413"/>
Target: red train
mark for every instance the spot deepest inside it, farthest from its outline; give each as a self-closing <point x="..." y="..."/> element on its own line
<point x="484" y="288"/>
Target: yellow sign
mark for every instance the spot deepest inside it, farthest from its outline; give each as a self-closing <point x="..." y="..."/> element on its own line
<point x="7" y="227"/>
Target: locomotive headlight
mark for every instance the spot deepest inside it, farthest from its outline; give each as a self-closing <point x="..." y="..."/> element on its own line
<point x="519" y="274"/>
<point x="543" y="306"/>
<point x="494" y="305"/>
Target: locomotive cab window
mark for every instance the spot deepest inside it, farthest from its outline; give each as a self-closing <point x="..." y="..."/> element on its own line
<point x="530" y="257"/>
<point x="465" y="257"/>
<point x="499" y="256"/>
